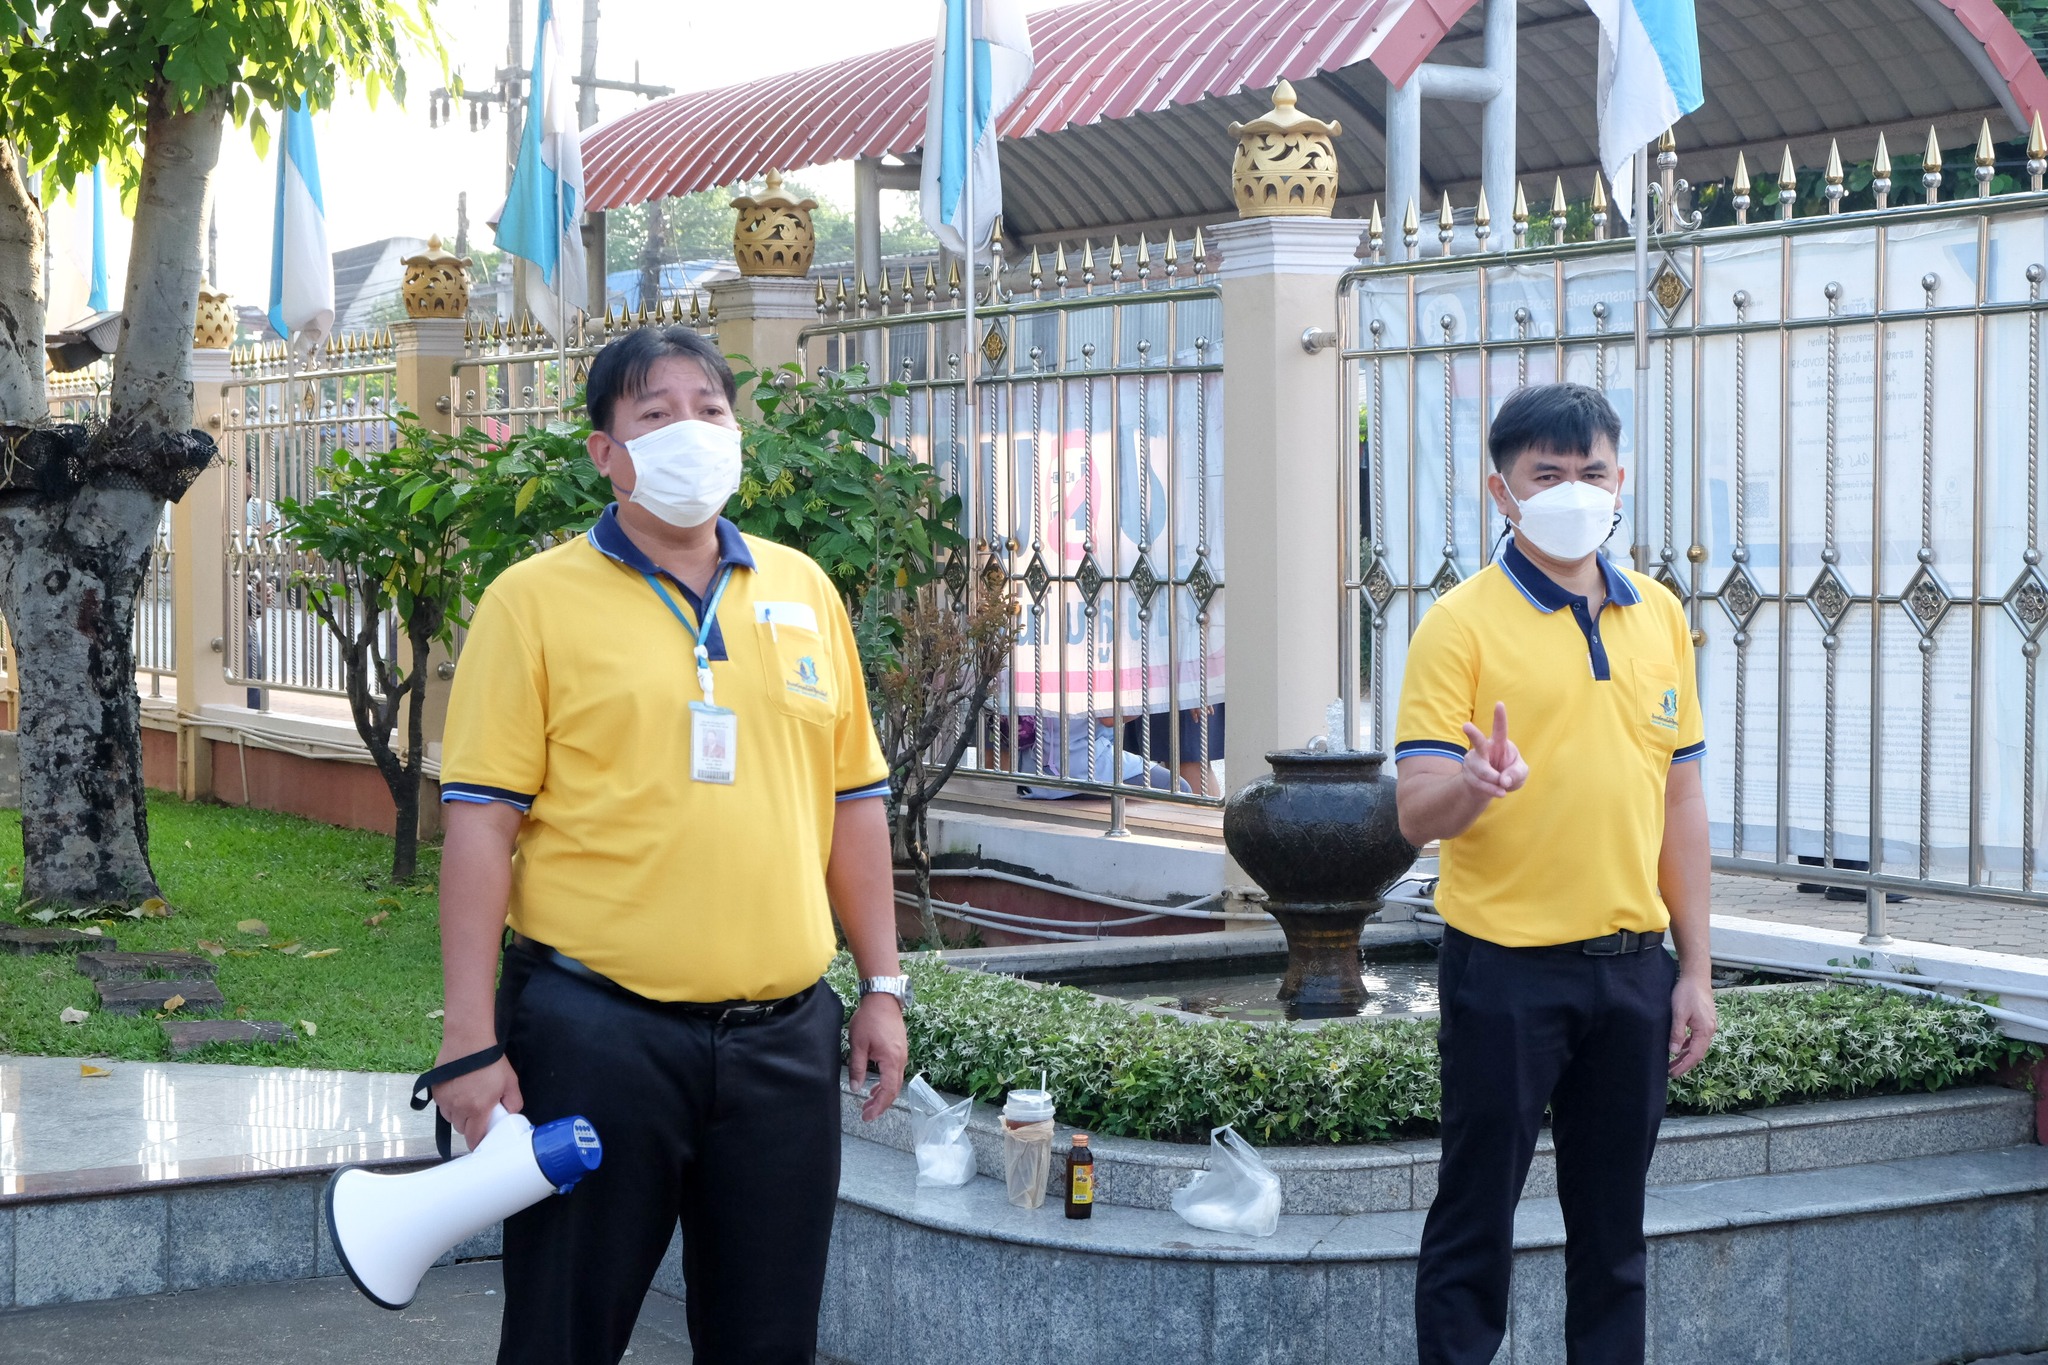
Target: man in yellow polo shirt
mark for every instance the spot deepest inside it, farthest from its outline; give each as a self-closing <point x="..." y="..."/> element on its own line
<point x="1570" y="843"/>
<point x="659" y="766"/>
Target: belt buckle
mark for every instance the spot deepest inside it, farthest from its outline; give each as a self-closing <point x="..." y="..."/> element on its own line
<point x="743" y="1014"/>
<point x="1612" y="945"/>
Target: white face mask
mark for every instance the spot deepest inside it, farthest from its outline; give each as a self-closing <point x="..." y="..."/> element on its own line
<point x="684" y="472"/>
<point x="1567" y="521"/>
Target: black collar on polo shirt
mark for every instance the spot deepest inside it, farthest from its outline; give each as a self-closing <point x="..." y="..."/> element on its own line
<point x="1547" y="595"/>
<point x="609" y="539"/>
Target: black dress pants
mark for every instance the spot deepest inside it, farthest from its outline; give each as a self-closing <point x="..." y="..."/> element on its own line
<point x="1588" y="1036"/>
<point x="731" y="1129"/>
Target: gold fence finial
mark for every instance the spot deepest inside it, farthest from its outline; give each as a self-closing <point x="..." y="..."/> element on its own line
<point x="821" y="297"/>
<point x="1376" y="234"/>
<point x="1172" y="257"/>
<point x="953" y="278"/>
<point x="1144" y="250"/>
<point x="909" y="289"/>
<point x="1833" y="176"/>
<point x="1482" y="219"/>
<point x="1411" y="229"/>
<point x="1446" y="224"/>
<point x="1116" y="259"/>
<point x="1599" y="208"/>
<point x="1285" y="162"/>
<point x="1088" y="261"/>
<point x="1201" y="253"/>
<point x="1987" y="160"/>
<point x="2037" y="152"/>
<point x="1560" y="211"/>
<point x="860" y="287"/>
<point x="931" y="284"/>
<point x="1521" y="214"/>
<point x="1788" y="184"/>
<point x="1059" y="265"/>
<point x="1881" y="174"/>
<point x="1741" y="188"/>
<point x="839" y="303"/>
<point x="1668" y="142"/>
<point x="1930" y="167"/>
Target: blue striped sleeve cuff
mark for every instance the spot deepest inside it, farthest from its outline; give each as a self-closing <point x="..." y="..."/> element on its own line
<point x="1443" y="748"/>
<point x="476" y="794"/>
<point x="1691" y="753"/>
<point x="873" y="789"/>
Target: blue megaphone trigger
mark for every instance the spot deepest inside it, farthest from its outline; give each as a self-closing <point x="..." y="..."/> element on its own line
<point x="567" y="1150"/>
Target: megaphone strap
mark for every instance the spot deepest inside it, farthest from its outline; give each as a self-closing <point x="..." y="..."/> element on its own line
<point x="423" y="1090"/>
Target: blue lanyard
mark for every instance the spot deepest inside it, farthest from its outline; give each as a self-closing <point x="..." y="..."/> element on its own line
<point x="698" y="632"/>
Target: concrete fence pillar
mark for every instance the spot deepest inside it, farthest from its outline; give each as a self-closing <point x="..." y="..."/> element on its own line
<point x="428" y="352"/>
<point x="199" y="580"/>
<point x="1282" y="471"/>
<point x="760" y="317"/>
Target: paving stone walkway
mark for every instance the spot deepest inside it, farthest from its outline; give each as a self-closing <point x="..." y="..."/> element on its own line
<point x="454" y="1321"/>
<point x="1984" y="925"/>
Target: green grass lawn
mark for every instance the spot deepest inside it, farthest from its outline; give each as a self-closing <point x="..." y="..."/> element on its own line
<point x="314" y="888"/>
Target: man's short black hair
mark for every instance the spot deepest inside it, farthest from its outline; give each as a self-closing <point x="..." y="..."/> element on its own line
<point x="1560" y="417"/>
<point x="620" y="370"/>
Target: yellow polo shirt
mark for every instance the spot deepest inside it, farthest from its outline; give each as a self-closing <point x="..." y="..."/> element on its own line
<point x="1600" y="709"/>
<point x="571" y="702"/>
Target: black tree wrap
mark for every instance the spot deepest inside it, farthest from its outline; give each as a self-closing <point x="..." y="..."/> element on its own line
<point x="56" y="460"/>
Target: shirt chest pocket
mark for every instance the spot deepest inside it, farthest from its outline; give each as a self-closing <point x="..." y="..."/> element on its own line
<point x="1654" y="701"/>
<point x="798" y="671"/>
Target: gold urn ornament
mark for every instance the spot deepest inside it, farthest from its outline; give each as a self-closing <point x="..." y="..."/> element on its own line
<point x="1286" y="164"/>
<point x="774" y="234"/>
<point x="214" y="328"/>
<point x="436" y="283"/>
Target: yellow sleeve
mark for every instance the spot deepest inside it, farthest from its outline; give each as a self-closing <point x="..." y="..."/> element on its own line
<point x="1692" y="727"/>
<point x="495" y="747"/>
<point x="1439" y="689"/>
<point x="858" y="769"/>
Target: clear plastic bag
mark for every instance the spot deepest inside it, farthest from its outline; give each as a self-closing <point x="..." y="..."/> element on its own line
<point x="1238" y="1192"/>
<point x="945" y="1157"/>
<point x="1027" y="1160"/>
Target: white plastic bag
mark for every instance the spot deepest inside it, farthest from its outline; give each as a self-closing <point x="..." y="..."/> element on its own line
<point x="1238" y="1192"/>
<point x="938" y="1130"/>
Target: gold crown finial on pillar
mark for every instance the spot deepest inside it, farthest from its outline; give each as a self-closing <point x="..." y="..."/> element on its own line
<point x="214" y="327"/>
<point x="1286" y="164"/>
<point x="774" y="235"/>
<point x="436" y="283"/>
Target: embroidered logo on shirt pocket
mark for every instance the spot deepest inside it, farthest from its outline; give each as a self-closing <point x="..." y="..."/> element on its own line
<point x="1656" y="696"/>
<point x="799" y="670"/>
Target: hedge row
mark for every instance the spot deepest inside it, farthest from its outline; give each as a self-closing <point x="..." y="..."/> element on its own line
<point x="1114" y="1070"/>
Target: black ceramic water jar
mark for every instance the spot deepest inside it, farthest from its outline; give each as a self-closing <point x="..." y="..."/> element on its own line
<point x="1321" y="837"/>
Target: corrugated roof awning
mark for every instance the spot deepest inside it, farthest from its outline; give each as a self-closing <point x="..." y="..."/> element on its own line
<point x="1125" y="123"/>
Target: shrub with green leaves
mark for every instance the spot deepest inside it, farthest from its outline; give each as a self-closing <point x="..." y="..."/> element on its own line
<point x="1118" y="1071"/>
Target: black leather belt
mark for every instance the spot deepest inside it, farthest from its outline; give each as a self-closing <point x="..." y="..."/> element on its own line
<point x="1613" y="945"/>
<point x="723" y="1011"/>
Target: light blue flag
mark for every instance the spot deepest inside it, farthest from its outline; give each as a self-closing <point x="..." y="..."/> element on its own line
<point x="1649" y="78"/>
<point x="955" y="150"/>
<point x="301" y="267"/>
<point x="97" y="301"/>
<point x="542" y="216"/>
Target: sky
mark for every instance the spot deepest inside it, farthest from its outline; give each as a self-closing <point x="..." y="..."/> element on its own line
<point x="386" y="173"/>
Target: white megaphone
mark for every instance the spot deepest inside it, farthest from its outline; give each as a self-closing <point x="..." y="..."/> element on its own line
<point x="388" y="1229"/>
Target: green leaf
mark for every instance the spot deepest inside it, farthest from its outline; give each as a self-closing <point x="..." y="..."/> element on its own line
<point x="526" y="494"/>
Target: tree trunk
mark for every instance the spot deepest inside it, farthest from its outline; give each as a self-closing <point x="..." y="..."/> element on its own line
<point x="77" y="546"/>
<point x="405" y="848"/>
<point x="152" y="392"/>
<point x="22" y="402"/>
<point x="72" y="571"/>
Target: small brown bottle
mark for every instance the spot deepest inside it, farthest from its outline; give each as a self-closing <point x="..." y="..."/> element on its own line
<point x="1080" y="1178"/>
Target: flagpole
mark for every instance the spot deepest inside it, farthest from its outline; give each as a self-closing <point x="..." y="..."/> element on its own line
<point x="1641" y="551"/>
<point x="970" y="507"/>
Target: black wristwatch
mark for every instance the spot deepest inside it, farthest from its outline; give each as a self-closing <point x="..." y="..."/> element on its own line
<point x="898" y="986"/>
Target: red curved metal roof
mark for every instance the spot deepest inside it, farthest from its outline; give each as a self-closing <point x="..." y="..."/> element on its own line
<point x="1107" y="72"/>
<point x="1107" y="59"/>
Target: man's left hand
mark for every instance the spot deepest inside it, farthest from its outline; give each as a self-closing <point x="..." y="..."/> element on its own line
<point x="1693" y="1022"/>
<point x="876" y="1036"/>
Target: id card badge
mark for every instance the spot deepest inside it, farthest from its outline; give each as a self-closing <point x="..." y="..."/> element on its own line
<point x="714" y="736"/>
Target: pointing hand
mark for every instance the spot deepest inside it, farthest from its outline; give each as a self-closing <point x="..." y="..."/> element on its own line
<point x="1493" y="765"/>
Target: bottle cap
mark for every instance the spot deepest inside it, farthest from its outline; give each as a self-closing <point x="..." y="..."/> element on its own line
<point x="567" y="1150"/>
<point x="1028" y="1106"/>
<point x="1080" y="1139"/>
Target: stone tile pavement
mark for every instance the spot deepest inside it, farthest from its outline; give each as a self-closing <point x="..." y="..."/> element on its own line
<point x="1983" y="925"/>
<point x="454" y="1321"/>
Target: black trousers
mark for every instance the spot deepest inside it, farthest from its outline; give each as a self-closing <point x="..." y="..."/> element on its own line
<point x="731" y="1129"/>
<point x="1522" y="1028"/>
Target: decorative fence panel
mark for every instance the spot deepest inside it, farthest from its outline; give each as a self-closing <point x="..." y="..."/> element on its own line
<point x="1840" y="479"/>
<point x="516" y="378"/>
<point x="283" y="424"/>
<point x="1090" y="473"/>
